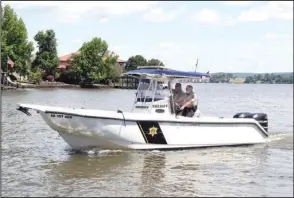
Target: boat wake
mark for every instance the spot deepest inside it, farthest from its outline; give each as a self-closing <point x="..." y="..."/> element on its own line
<point x="277" y="136"/>
<point x="281" y="140"/>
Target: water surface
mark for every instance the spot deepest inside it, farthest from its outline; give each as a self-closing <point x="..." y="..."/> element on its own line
<point x="37" y="162"/>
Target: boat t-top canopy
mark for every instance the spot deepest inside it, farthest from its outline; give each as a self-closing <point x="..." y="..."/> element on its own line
<point x="162" y="72"/>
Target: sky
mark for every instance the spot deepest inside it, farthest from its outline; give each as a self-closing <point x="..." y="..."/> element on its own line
<point x="226" y="36"/>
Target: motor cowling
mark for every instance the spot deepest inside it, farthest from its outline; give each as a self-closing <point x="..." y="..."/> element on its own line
<point x="261" y="118"/>
<point x="243" y="115"/>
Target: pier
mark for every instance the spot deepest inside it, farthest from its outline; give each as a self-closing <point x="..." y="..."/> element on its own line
<point x="126" y="82"/>
<point x="3" y="87"/>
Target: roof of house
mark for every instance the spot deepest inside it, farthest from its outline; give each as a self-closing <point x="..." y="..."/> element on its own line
<point x="121" y="61"/>
<point x="67" y="57"/>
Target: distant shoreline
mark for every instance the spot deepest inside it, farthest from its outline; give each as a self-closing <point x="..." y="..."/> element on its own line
<point x="239" y="83"/>
<point x="246" y="74"/>
<point x="253" y="78"/>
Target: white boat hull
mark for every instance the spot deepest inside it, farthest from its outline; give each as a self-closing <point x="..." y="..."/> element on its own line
<point x="82" y="128"/>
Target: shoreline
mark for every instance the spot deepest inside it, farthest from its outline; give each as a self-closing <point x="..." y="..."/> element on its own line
<point x="47" y="85"/>
<point x="43" y="86"/>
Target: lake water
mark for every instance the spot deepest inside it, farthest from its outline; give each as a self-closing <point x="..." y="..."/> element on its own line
<point x="37" y="162"/>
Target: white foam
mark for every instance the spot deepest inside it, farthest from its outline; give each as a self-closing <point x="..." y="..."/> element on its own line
<point x="278" y="136"/>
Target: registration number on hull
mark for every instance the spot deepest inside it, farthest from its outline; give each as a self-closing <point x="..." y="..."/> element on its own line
<point x="53" y="115"/>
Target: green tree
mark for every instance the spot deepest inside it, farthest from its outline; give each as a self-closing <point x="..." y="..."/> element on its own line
<point x="221" y="77"/>
<point x="115" y="72"/>
<point x="267" y="78"/>
<point x="14" y="42"/>
<point x="155" y="62"/>
<point x="46" y="57"/>
<point x="135" y="61"/>
<point x="35" y="77"/>
<point x="258" y="77"/>
<point x="94" y="61"/>
<point x="249" y="79"/>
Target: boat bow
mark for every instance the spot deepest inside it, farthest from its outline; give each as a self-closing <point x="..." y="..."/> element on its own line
<point x="26" y="107"/>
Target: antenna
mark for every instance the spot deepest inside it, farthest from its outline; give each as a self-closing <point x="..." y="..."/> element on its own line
<point x="196" y="65"/>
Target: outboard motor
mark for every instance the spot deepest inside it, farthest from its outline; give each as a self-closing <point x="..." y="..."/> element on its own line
<point x="261" y="118"/>
<point x="243" y="115"/>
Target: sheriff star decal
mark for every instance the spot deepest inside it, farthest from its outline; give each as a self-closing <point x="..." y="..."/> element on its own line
<point x="153" y="131"/>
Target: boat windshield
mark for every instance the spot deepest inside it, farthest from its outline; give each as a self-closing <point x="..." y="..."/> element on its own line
<point x="147" y="89"/>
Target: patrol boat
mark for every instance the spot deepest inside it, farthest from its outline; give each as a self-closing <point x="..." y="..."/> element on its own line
<point x="152" y="124"/>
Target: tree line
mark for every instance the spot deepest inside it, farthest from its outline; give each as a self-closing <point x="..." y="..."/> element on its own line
<point x="269" y="79"/>
<point x="253" y="79"/>
<point x="93" y="64"/>
<point x="221" y="78"/>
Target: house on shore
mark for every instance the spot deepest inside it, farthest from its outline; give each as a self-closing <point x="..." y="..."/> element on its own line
<point x="65" y="60"/>
<point x="237" y="80"/>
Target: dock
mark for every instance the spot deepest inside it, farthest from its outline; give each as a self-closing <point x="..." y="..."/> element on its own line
<point x="3" y="87"/>
<point x="126" y="83"/>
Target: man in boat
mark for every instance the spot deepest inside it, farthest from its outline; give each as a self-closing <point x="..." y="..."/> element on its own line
<point x="189" y="106"/>
<point x="178" y="97"/>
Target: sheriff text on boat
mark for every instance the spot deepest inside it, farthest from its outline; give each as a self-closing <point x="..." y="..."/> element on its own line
<point x="153" y="122"/>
